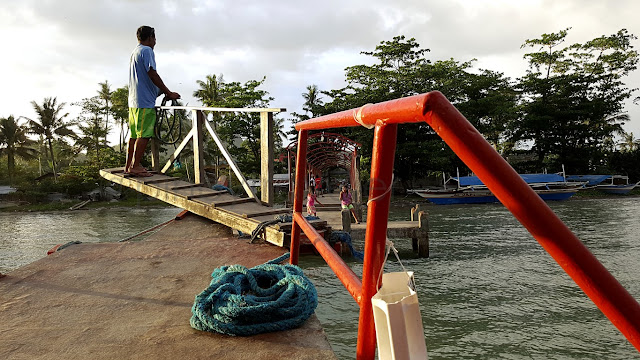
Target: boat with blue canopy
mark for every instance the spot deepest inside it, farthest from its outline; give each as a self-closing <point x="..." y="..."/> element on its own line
<point x="610" y="184"/>
<point x="471" y="190"/>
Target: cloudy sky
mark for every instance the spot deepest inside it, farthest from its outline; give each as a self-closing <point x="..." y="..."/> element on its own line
<point x="64" y="48"/>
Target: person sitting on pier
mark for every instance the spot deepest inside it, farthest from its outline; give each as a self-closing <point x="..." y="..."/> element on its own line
<point x="311" y="203"/>
<point x="223" y="184"/>
<point x="347" y="203"/>
<point x="145" y="85"/>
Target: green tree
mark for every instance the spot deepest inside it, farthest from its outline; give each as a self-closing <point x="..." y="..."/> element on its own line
<point x="629" y="143"/>
<point x="312" y="104"/>
<point x="15" y="143"/>
<point x="105" y="93"/>
<point x="243" y="127"/>
<point x="120" y="112"/>
<point x="211" y="93"/>
<point x="574" y="97"/>
<point x="487" y="99"/>
<point x="401" y="69"/>
<point x="312" y="100"/>
<point x="92" y="137"/>
<point x="51" y="124"/>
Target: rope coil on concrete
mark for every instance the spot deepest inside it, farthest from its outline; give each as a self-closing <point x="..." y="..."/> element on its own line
<point x="248" y="301"/>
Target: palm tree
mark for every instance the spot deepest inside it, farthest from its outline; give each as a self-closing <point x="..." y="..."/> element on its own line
<point x="51" y="124"/>
<point x="15" y="143"/>
<point x="278" y="132"/>
<point x="211" y="94"/>
<point x="311" y="99"/>
<point x="120" y="111"/>
<point x="105" y="94"/>
<point x="628" y="143"/>
<point x="91" y="136"/>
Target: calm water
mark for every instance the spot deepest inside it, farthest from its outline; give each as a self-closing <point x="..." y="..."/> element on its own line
<point x="488" y="291"/>
<point x="26" y="237"/>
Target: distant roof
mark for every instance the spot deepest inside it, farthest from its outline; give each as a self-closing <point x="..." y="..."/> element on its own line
<point x="278" y="180"/>
<point x="4" y="190"/>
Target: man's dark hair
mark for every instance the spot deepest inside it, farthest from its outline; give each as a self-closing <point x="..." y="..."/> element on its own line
<point x="145" y="32"/>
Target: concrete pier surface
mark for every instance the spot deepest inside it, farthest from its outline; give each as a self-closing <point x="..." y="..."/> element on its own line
<point x="133" y="300"/>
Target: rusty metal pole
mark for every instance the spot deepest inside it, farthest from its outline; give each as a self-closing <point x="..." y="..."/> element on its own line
<point x="384" y="149"/>
<point x="301" y="166"/>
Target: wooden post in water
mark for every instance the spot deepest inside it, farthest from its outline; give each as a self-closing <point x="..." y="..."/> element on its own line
<point x="357" y="188"/>
<point x="155" y="154"/>
<point x="198" y="147"/>
<point x="266" y="154"/>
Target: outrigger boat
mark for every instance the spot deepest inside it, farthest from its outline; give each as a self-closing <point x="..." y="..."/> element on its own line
<point x="610" y="184"/>
<point x="470" y="190"/>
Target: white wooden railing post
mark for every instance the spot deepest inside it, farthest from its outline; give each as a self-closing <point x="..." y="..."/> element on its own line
<point x="266" y="155"/>
<point x="198" y="147"/>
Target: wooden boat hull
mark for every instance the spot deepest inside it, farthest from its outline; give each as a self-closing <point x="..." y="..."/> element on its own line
<point x="485" y="196"/>
<point x="616" y="189"/>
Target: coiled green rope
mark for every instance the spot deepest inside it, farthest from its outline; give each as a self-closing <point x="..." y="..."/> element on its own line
<point x="248" y="301"/>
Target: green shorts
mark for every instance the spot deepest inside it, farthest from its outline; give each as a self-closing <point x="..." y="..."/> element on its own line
<point x="350" y="206"/>
<point x="142" y="122"/>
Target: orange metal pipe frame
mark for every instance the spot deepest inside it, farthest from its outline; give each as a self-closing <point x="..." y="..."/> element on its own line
<point x="335" y="262"/>
<point x="301" y="165"/>
<point x="514" y="193"/>
<point x="384" y="149"/>
<point x="348" y="278"/>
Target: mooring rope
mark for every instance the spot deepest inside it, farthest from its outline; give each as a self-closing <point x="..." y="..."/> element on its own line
<point x="345" y="238"/>
<point x="247" y="301"/>
<point x="148" y="230"/>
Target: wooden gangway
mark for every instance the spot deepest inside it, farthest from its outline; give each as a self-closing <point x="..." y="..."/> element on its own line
<point x="245" y="214"/>
<point x="242" y="214"/>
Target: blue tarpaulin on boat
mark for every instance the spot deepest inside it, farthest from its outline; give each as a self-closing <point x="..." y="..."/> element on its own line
<point x="528" y="178"/>
<point x="592" y="179"/>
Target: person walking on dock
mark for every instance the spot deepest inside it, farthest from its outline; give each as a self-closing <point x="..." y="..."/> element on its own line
<point x="311" y="203"/>
<point x="319" y="185"/>
<point x="145" y="85"/>
<point x="312" y="183"/>
<point x="347" y="202"/>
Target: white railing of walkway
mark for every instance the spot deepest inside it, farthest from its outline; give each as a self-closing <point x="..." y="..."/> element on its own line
<point x="199" y="121"/>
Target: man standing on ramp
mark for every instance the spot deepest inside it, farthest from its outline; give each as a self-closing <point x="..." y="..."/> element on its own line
<point x="145" y="85"/>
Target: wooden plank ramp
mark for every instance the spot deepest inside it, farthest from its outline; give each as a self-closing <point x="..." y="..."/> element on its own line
<point x="242" y="214"/>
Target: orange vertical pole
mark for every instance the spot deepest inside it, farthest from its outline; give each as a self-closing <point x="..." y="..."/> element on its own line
<point x="384" y="149"/>
<point x="301" y="166"/>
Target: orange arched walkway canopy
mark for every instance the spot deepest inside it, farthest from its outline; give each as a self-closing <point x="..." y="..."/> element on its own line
<point x="326" y="151"/>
